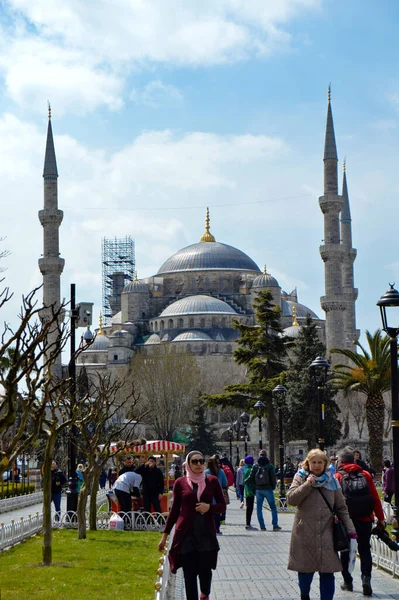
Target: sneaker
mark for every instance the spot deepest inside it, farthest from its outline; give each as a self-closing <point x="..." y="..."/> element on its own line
<point x="242" y="505"/>
<point x="263" y="528"/>
<point x="251" y="528"/>
<point x="366" y="582"/>
<point x="347" y="586"/>
<point x="277" y="528"/>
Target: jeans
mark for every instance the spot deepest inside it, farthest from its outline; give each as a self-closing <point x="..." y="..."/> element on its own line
<point x="56" y="498"/>
<point x="363" y="530"/>
<point x="327" y="584"/>
<point x="260" y="496"/>
<point x="240" y="492"/>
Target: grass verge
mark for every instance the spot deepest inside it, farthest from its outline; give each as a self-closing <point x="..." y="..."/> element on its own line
<point x="108" y="565"/>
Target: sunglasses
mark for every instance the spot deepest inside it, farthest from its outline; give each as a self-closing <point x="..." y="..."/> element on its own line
<point x="197" y="461"/>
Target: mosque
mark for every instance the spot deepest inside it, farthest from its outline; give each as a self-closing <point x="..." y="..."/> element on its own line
<point x="200" y="290"/>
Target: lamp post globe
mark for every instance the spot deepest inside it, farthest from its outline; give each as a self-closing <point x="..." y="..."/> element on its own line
<point x="390" y="301"/>
<point x="279" y="394"/>
<point x="319" y="372"/>
<point x="244" y="418"/>
<point x="259" y="407"/>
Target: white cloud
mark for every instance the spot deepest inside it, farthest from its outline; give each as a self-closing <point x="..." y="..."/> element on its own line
<point x="83" y="55"/>
<point x="155" y="93"/>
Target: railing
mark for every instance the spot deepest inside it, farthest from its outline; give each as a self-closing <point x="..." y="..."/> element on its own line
<point x="163" y="573"/>
<point x="20" y="501"/>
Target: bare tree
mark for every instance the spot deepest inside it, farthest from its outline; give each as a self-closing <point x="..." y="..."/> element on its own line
<point x="3" y="254"/>
<point x="357" y="410"/>
<point x="26" y="357"/>
<point x="169" y="384"/>
<point x="106" y="416"/>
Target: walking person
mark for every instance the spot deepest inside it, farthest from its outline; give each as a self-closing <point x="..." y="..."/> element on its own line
<point x="58" y="479"/>
<point x="249" y="491"/>
<point x="213" y="468"/>
<point x="388" y="481"/>
<point x="363" y="504"/>
<point x="264" y="477"/>
<point x="196" y="498"/>
<point x="312" y="544"/>
<point x="240" y="483"/>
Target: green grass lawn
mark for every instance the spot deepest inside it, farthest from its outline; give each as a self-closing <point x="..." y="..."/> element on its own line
<point x="108" y="565"/>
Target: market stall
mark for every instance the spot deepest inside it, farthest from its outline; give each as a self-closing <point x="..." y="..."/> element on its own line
<point x="166" y="452"/>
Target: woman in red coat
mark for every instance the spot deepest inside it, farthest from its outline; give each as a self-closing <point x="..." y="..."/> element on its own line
<point x="196" y="498"/>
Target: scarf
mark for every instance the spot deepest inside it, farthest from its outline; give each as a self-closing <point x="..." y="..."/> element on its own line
<point x="198" y="478"/>
<point x="326" y="480"/>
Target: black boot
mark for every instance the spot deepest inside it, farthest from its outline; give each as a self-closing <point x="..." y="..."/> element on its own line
<point x="347" y="585"/>
<point x="366" y="583"/>
<point x="305" y="597"/>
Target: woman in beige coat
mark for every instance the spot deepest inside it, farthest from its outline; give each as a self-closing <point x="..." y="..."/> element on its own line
<point x="312" y="546"/>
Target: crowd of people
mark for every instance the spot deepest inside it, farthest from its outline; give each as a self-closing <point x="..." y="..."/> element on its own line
<point x="322" y="489"/>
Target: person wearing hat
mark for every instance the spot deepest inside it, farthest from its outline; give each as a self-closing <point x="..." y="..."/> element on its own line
<point x="249" y="491"/>
<point x="196" y="498"/>
<point x="153" y="484"/>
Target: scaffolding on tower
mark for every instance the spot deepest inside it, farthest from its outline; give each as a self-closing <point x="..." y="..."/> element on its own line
<point x="118" y="266"/>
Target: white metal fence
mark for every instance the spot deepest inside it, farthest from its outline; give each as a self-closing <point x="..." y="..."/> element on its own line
<point x="17" y="502"/>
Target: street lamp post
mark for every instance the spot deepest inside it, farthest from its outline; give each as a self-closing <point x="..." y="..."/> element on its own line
<point x="391" y="300"/>
<point x="230" y="432"/>
<point x="259" y="408"/>
<point x="280" y="393"/>
<point x="236" y="427"/>
<point x="319" y="370"/>
<point x="244" y="417"/>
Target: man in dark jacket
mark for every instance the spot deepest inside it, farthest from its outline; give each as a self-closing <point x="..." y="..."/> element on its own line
<point x="264" y="477"/>
<point x="128" y="465"/>
<point x="153" y="484"/>
<point x="362" y="506"/>
<point x="58" y="479"/>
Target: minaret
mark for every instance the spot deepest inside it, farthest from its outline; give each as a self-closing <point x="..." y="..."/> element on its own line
<point x="333" y="302"/>
<point x="348" y="283"/>
<point x="51" y="265"/>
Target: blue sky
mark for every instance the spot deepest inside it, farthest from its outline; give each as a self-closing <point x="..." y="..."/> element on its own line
<point x="162" y="108"/>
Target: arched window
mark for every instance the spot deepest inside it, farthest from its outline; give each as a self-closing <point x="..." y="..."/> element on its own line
<point x="156" y="325"/>
<point x="143" y="315"/>
<point x="214" y="323"/>
<point x="191" y="323"/>
<point x="202" y="322"/>
<point x="224" y="320"/>
<point x="216" y="347"/>
<point x="180" y="323"/>
<point x="170" y="324"/>
<point x="162" y="325"/>
<point x="152" y="326"/>
<point x="228" y="348"/>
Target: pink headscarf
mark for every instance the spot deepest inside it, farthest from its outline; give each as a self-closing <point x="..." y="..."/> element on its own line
<point x="198" y="478"/>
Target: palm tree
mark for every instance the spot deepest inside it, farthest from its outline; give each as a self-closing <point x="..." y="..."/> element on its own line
<point x="369" y="374"/>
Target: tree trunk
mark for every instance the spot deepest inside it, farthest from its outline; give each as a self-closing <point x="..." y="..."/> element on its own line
<point x="47" y="550"/>
<point x="93" y="501"/>
<point x="81" y="510"/>
<point x="375" y="409"/>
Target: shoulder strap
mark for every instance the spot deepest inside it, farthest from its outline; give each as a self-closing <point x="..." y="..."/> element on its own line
<point x="325" y="500"/>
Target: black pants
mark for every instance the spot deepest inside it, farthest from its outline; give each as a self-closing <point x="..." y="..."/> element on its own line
<point x="153" y="499"/>
<point x="250" y="509"/>
<point x="197" y="564"/>
<point x="125" y="506"/>
<point x="363" y="530"/>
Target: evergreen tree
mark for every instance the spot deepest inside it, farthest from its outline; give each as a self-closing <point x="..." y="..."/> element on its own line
<point x="203" y="435"/>
<point x="262" y="350"/>
<point x="301" y="415"/>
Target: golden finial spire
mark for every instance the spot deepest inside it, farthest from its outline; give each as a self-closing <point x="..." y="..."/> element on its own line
<point x="207" y="237"/>
<point x="294" y="321"/>
<point x="329" y="93"/>
<point x="264" y="270"/>
<point x="49" y="109"/>
<point x="101" y="331"/>
<point x="135" y="276"/>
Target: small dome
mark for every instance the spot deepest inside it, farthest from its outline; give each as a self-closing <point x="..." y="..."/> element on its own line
<point x="101" y="342"/>
<point x="117" y="334"/>
<point x="135" y="287"/>
<point x="265" y="280"/>
<point x="292" y="332"/>
<point x="301" y="310"/>
<point x="197" y="305"/>
<point x="192" y="336"/>
<point x="153" y="339"/>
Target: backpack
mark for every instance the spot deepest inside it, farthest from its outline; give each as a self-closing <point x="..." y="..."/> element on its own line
<point x="229" y="475"/>
<point x="262" y="476"/>
<point x="357" y="494"/>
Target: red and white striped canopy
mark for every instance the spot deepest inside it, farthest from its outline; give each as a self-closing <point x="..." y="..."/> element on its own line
<point x="153" y="446"/>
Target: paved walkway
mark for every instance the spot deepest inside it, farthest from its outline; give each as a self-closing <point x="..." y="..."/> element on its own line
<point x="253" y="565"/>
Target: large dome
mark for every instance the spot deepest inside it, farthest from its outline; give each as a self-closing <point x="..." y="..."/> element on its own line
<point x="208" y="256"/>
<point x="197" y="305"/>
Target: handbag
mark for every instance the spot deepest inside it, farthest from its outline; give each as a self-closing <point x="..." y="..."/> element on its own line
<point x="226" y="495"/>
<point x="340" y="535"/>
